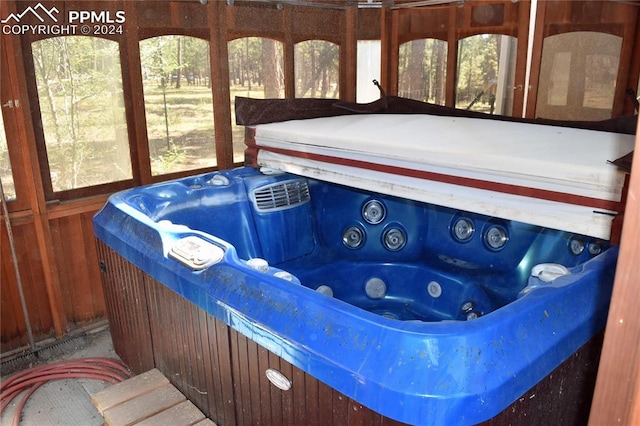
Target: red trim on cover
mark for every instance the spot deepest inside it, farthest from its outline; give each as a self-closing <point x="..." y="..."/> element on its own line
<point x="543" y="194"/>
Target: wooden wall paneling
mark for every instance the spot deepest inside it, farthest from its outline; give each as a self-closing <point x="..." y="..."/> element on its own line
<point x="311" y="23"/>
<point x="264" y="20"/>
<point x="616" y="399"/>
<point x="432" y="22"/>
<point x="79" y="275"/>
<point x="11" y="317"/>
<point x="217" y="23"/>
<point x="173" y="15"/>
<point x="389" y="50"/>
<point x="349" y="56"/>
<point x="68" y="244"/>
<point x="629" y="46"/>
<point x="134" y="104"/>
<point x="33" y="279"/>
<point x="368" y="24"/>
<point x="12" y="320"/>
<point x="32" y="276"/>
<point x="25" y="138"/>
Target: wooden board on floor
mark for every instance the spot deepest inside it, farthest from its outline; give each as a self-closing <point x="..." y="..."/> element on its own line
<point x="146" y="405"/>
<point x="147" y="399"/>
<point x="184" y="413"/>
<point x="129" y="389"/>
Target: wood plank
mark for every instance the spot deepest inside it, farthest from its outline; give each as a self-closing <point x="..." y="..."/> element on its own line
<point x="616" y="399"/>
<point x="129" y="389"/>
<point x="225" y="367"/>
<point x="205" y="422"/>
<point x="25" y="128"/>
<point x="92" y="265"/>
<point x="184" y="413"/>
<point x="255" y="384"/>
<point x="126" y="302"/>
<point x="143" y="406"/>
<point x="276" y="394"/>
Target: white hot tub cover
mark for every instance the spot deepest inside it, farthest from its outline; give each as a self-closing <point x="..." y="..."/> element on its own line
<point x="556" y="177"/>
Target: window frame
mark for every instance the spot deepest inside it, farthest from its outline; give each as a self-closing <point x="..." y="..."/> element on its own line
<point x="147" y="160"/>
<point x="43" y="158"/>
<point x="12" y="119"/>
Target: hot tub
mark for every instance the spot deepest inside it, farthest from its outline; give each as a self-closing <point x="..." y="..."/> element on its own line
<point x="422" y="313"/>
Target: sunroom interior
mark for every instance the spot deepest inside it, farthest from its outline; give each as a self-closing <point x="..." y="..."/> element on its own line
<point x="134" y="93"/>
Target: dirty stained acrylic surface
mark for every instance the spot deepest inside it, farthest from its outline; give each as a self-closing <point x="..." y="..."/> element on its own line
<point x="409" y="308"/>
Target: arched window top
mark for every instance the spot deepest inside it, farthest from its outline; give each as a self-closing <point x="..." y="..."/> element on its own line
<point x="176" y="78"/>
<point x="233" y="38"/>
<point x="422" y="70"/>
<point x="317" y="66"/>
<point x="578" y="75"/>
<point x="79" y="82"/>
<point x="486" y="72"/>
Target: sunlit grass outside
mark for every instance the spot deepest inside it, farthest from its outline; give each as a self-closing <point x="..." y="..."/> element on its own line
<point x="180" y="128"/>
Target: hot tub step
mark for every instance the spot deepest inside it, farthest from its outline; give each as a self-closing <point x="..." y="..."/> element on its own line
<point x="147" y="399"/>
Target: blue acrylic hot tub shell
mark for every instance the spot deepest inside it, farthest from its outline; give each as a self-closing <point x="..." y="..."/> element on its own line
<point x="447" y="372"/>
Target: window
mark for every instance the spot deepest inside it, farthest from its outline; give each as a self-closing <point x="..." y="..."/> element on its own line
<point x="79" y="83"/>
<point x="369" y="60"/>
<point x="486" y="72"/>
<point x="638" y="89"/>
<point x="422" y="73"/>
<point x="316" y="64"/>
<point x="178" y="103"/>
<point x="256" y="70"/>
<point x="578" y="75"/>
<point x="559" y="79"/>
<point x="6" y="175"/>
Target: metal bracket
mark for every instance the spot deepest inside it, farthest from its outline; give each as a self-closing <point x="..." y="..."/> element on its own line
<point x="11" y="103"/>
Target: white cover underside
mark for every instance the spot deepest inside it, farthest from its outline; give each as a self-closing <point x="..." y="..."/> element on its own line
<point x="558" y="159"/>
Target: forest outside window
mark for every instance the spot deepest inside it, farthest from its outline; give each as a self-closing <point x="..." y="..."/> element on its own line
<point x="178" y="101"/>
<point x="422" y="70"/>
<point x="79" y="82"/>
<point x="256" y="70"/>
<point x="317" y="66"/>
<point x="486" y="72"/>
